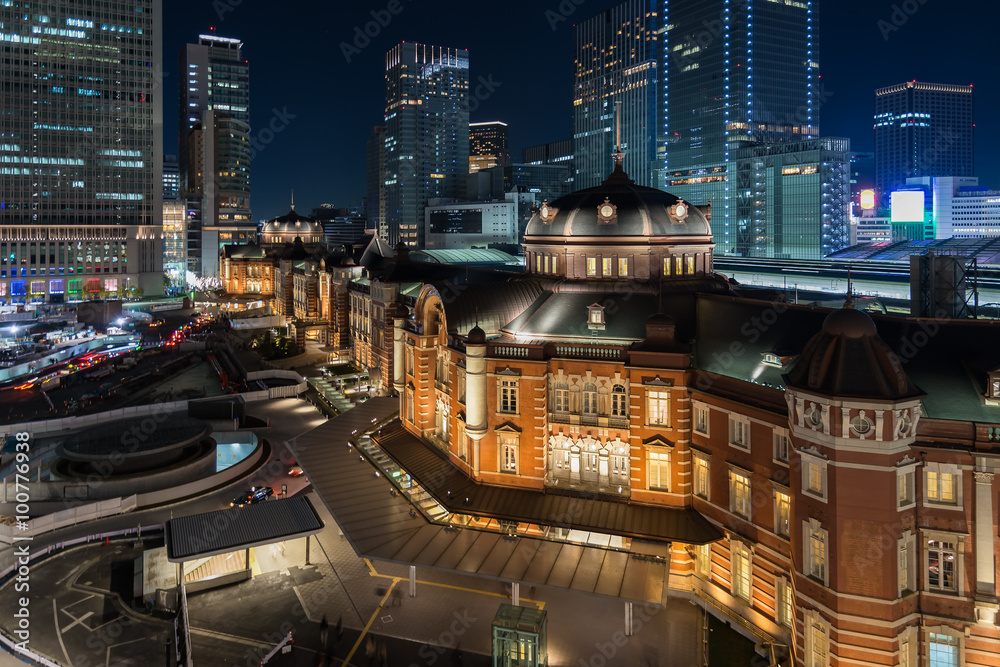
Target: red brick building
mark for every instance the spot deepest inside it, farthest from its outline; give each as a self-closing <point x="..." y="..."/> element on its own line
<point x="847" y="463"/>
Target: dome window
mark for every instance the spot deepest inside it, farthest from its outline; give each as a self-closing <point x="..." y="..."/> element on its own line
<point x="862" y="425"/>
<point x="595" y="317"/>
<point x="607" y="213"/>
<point x="546" y="212"/>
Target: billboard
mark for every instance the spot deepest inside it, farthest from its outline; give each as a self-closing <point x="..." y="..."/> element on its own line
<point x="456" y="221"/>
<point x="907" y="206"/>
<point x="867" y="199"/>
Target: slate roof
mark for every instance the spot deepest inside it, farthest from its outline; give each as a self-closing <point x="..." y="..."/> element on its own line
<point x="226" y="530"/>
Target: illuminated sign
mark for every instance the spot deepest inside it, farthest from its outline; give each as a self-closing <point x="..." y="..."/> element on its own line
<point x="907" y="206"/>
<point x="867" y="199"/>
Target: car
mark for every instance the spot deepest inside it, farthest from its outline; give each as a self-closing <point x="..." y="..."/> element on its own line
<point x="242" y="499"/>
<point x="295" y="471"/>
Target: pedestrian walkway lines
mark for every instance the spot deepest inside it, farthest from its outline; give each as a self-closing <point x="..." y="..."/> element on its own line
<point x="375" y="573"/>
<point x="378" y="610"/>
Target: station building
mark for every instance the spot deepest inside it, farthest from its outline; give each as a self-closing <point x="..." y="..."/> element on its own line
<point x="825" y="480"/>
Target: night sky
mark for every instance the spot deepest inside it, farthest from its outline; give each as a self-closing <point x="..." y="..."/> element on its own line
<point x="297" y="67"/>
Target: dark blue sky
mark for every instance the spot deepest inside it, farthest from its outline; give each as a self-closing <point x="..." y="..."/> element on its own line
<point x="297" y="68"/>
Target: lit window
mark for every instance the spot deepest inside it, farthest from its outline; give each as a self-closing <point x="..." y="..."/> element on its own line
<point x="689" y="265"/>
<point x="546" y="263"/>
<point x="666" y="266"/>
<point x="591" y="266"/>
<point x="941" y="565"/>
<point x="679" y="266"/>
<point x="741" y="571"/>
<point x="508" y="452"/>
<point x="814" y="476"/>
<point x="508" y="396"/>
<point x="941" y="487"/>
<point x="622" y="266"/>
<point x="659" y="470"/>
<point x="782" y="513"/>
<point x="815" y="549"/>
<point x="817" y="640"/>
<point x="704" y="560"/>
<point x="606" y="266"/>
<point x="739" y="493"/>
<point x="658" y="407"/>
<point x="785" y="609"/>
<point x="701" y="478"/>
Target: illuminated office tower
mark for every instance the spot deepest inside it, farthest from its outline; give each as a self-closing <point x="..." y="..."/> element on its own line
<point x="922" y="129"/>
<point x="214" y="148"/>
<point x="616" y="62"/>
<point x="722" y="76"/>
<point x="426" y="133"/>
<point x="488" y="145"/>
<point x="81" y="153"/>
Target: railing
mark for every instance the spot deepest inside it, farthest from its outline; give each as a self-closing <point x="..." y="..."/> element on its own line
<point x="510" y="351"/>
<point x="608" y="353"/>
<point x="618" y="422"/>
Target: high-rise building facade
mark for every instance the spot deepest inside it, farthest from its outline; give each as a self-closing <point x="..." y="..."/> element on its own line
<point x="81" y="154"/>
<point x="214" y="147"/>
<point x="922" y="129"/>
<point x="375" y="182"/>
<point x="793" y="199"/>
<point x="426" y="133"/>
<point x="719" y="76"/>
<point x="171" y="178"/>
<point x="488" y="145"/>
<point x="616" y="87"/>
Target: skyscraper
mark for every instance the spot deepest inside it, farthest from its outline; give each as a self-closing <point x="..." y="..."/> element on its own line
<point x="214" y="147"/>
<point x="615" y="67"/>
<point x="81" y="153"/>
<point x="488" y="145"/>
<point x="719" y="76"/>
<point x="922" y="129"/>
<point x="426" y="133"/>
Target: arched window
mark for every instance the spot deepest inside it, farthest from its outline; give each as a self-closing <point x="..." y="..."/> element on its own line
<point x="619" y="401"/>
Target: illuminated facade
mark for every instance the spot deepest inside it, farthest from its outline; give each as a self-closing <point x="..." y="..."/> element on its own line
<point x="214" y="148"/>
<point x="488" y="145"/>
<point x="426" y="134"/>
<point x="81" y="156"/>
<point x="853" y="497"/>
<point x="695" y="82"/>
<point x="922" y="129"/>
<point x="793" y="199"/>
<point x="175" y="239"/>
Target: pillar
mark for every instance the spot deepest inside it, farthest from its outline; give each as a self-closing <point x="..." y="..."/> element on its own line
<point x="628" y="619"/>
<point x="413" y="581"/>
<point x="515" y="594"/>
<point x="475" y="396"/>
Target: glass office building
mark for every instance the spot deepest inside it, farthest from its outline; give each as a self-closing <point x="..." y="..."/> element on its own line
<point x="81" y="154"/>
<point x="723" y="75"/>
<point x="615" y="67"/>
<point x="426" y="134"/>
<point x="793" y="199"/>
<point x="922" y="129"/>
<point x="488" y="145"/>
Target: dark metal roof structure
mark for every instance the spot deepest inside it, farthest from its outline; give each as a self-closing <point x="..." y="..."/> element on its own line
<point x="379" y="525"/>
<point x="577" y="511"/>
<point x="222" y="531"/>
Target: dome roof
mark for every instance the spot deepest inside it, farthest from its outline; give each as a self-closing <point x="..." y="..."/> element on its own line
<point x="292" y="222"/>
<point x="848" y="358"/>
<point x="476" y="336"/>
<point x="634" y="210"/>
